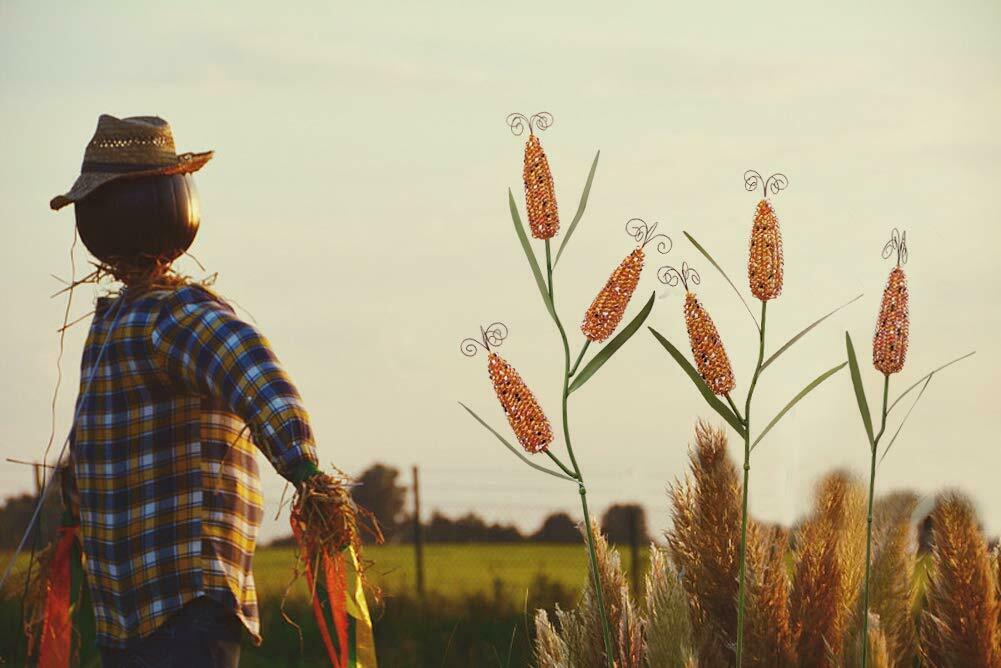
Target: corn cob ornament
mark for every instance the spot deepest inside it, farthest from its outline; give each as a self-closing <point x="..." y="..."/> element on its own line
<point x="524" y="414"/>
<point x="608" y="307"/>
<point x="764" y="263"/>
<point x="889" y="344"/>
<point x="707" y="348"/>
<point x="540" y="194"/>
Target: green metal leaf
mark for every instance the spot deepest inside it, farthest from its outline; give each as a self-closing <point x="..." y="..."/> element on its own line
<point x="709" y="257"/>
<point x="707" y="394"/>
<point x="513" y="449"/>
<point x="580" y="209"/>
<point x="796" y="338"/>
<point x="863" y="405"/>
<point x="530" y="255"/>
<point x="902" y="422"/>
<point x="617" y="342"/>
<point x="802" y="393"/>
<point x="925" y="377"/>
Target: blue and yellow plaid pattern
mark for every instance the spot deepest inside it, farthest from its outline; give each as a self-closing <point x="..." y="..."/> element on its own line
<point x="163" y="452"/>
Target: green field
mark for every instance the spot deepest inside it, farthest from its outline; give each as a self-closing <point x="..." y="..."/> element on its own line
<point x="450" y="570"/>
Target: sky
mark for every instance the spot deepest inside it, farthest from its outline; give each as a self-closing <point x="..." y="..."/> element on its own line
<point x="357" y="209"/>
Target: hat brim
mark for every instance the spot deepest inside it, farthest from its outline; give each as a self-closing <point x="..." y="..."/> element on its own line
<point x="88" y="182"/>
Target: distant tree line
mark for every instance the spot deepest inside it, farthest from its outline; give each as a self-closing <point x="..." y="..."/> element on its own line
<point x="381" y="492"/>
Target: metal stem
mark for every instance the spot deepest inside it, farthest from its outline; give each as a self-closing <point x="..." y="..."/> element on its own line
<point x="596" y="576"/>
<point x="741" y="586"/>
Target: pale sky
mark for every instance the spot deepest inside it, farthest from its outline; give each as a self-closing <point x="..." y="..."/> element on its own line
<point x="357" y="207"/>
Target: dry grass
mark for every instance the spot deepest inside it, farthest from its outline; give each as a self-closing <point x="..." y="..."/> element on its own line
<point x="959" y="625"/>
<point x="656" y="634"/>
<point x="669" y="637"/>
<point x="768" y="639"/>
<point x="704" y="541"/>
<point x="809" y="618"/>
<point x="829" y="558"/>
<point x="576" y="639"/>
<point x="890" y="589"/>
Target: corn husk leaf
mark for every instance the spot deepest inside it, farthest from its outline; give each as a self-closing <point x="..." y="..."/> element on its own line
<point x="863" y="404"/>
<point x="926" y="377"/>
<point x="711" y="399"/>
<point x="580" y="209"/>
<point x="713" y="262"/>
<point x="802" y="393"/>
<point x="788" y="344"/>
<point x="609" y="349"/>
<point x="513" y="449"/>
<point x="519" y="229"/>
<point x="902" y="422"/>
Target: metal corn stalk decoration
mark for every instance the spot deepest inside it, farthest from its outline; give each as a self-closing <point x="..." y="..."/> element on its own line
<point x="703" y="337"/>
<point x="889" y="351"/>
<point x="522" y="409"/>
<point x="540" y="194"/>
<point x="764" y="261"/>
<point x="712" y="373"/>
<point x="526" y="417"/>
<point x="889" y="343"/>
<point x="608" y="307"/>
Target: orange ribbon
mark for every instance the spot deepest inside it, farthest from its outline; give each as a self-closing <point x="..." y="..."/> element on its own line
<point x="333" y="572"/>
<point x="55" y="649"/>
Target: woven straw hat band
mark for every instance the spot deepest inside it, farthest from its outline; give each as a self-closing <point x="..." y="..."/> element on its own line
<point x="140" y="143"/>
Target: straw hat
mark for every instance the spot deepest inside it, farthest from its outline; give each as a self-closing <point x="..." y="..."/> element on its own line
<point x="127" y="148"/>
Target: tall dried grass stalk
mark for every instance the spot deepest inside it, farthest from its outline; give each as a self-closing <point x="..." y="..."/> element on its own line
<point x="880" y="652"/>
<point x="669" y="637"/>
<point x="705" y="537"/>
<point x="891" y="579"/>
<point x="960" y="623"/>
<point x="551" y="650"/>
<point x="768" y="639"/>
<point x="576" y="638"/>
<point x="829" y="558"/>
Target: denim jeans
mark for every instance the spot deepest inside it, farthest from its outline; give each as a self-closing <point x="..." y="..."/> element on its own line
<point x="203" y="634"/>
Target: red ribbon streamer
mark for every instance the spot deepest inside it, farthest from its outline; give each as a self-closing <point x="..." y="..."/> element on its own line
<point x="55" y="650"/>
<point x="334" y="578"/>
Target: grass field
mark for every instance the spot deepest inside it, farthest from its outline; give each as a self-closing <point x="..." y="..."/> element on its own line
<point x="451" y="570"/>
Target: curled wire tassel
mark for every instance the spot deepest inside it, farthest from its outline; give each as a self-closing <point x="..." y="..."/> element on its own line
<point x="764" y="263"/>
<point x="540" y="194"/>
<point x="889" y="344"/>
<point x="524" y="414"/>
<point x="707" y="347"/>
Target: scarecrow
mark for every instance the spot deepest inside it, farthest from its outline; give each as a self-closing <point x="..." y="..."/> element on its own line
<point x="161" y="478"/>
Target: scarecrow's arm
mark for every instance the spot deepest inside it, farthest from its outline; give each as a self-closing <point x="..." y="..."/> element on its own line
<point x="205" y="348"/>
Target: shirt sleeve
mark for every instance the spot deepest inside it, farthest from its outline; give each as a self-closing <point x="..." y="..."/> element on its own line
<point x="208" y="350"/>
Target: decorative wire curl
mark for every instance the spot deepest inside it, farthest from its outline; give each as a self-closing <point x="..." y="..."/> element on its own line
<point x="638" y="229"/>
<point x="898" y="244"/>
<point x="777" y="182"/>
<point x="491" y="335"/>
<point x="672" y="276"/>
<point x="518" y="122"/>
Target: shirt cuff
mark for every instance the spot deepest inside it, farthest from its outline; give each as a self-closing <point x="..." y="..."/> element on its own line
<point x="304" y="469"/>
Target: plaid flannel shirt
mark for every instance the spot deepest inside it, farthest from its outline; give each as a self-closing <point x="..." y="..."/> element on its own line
<point x="163" y="453"/>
